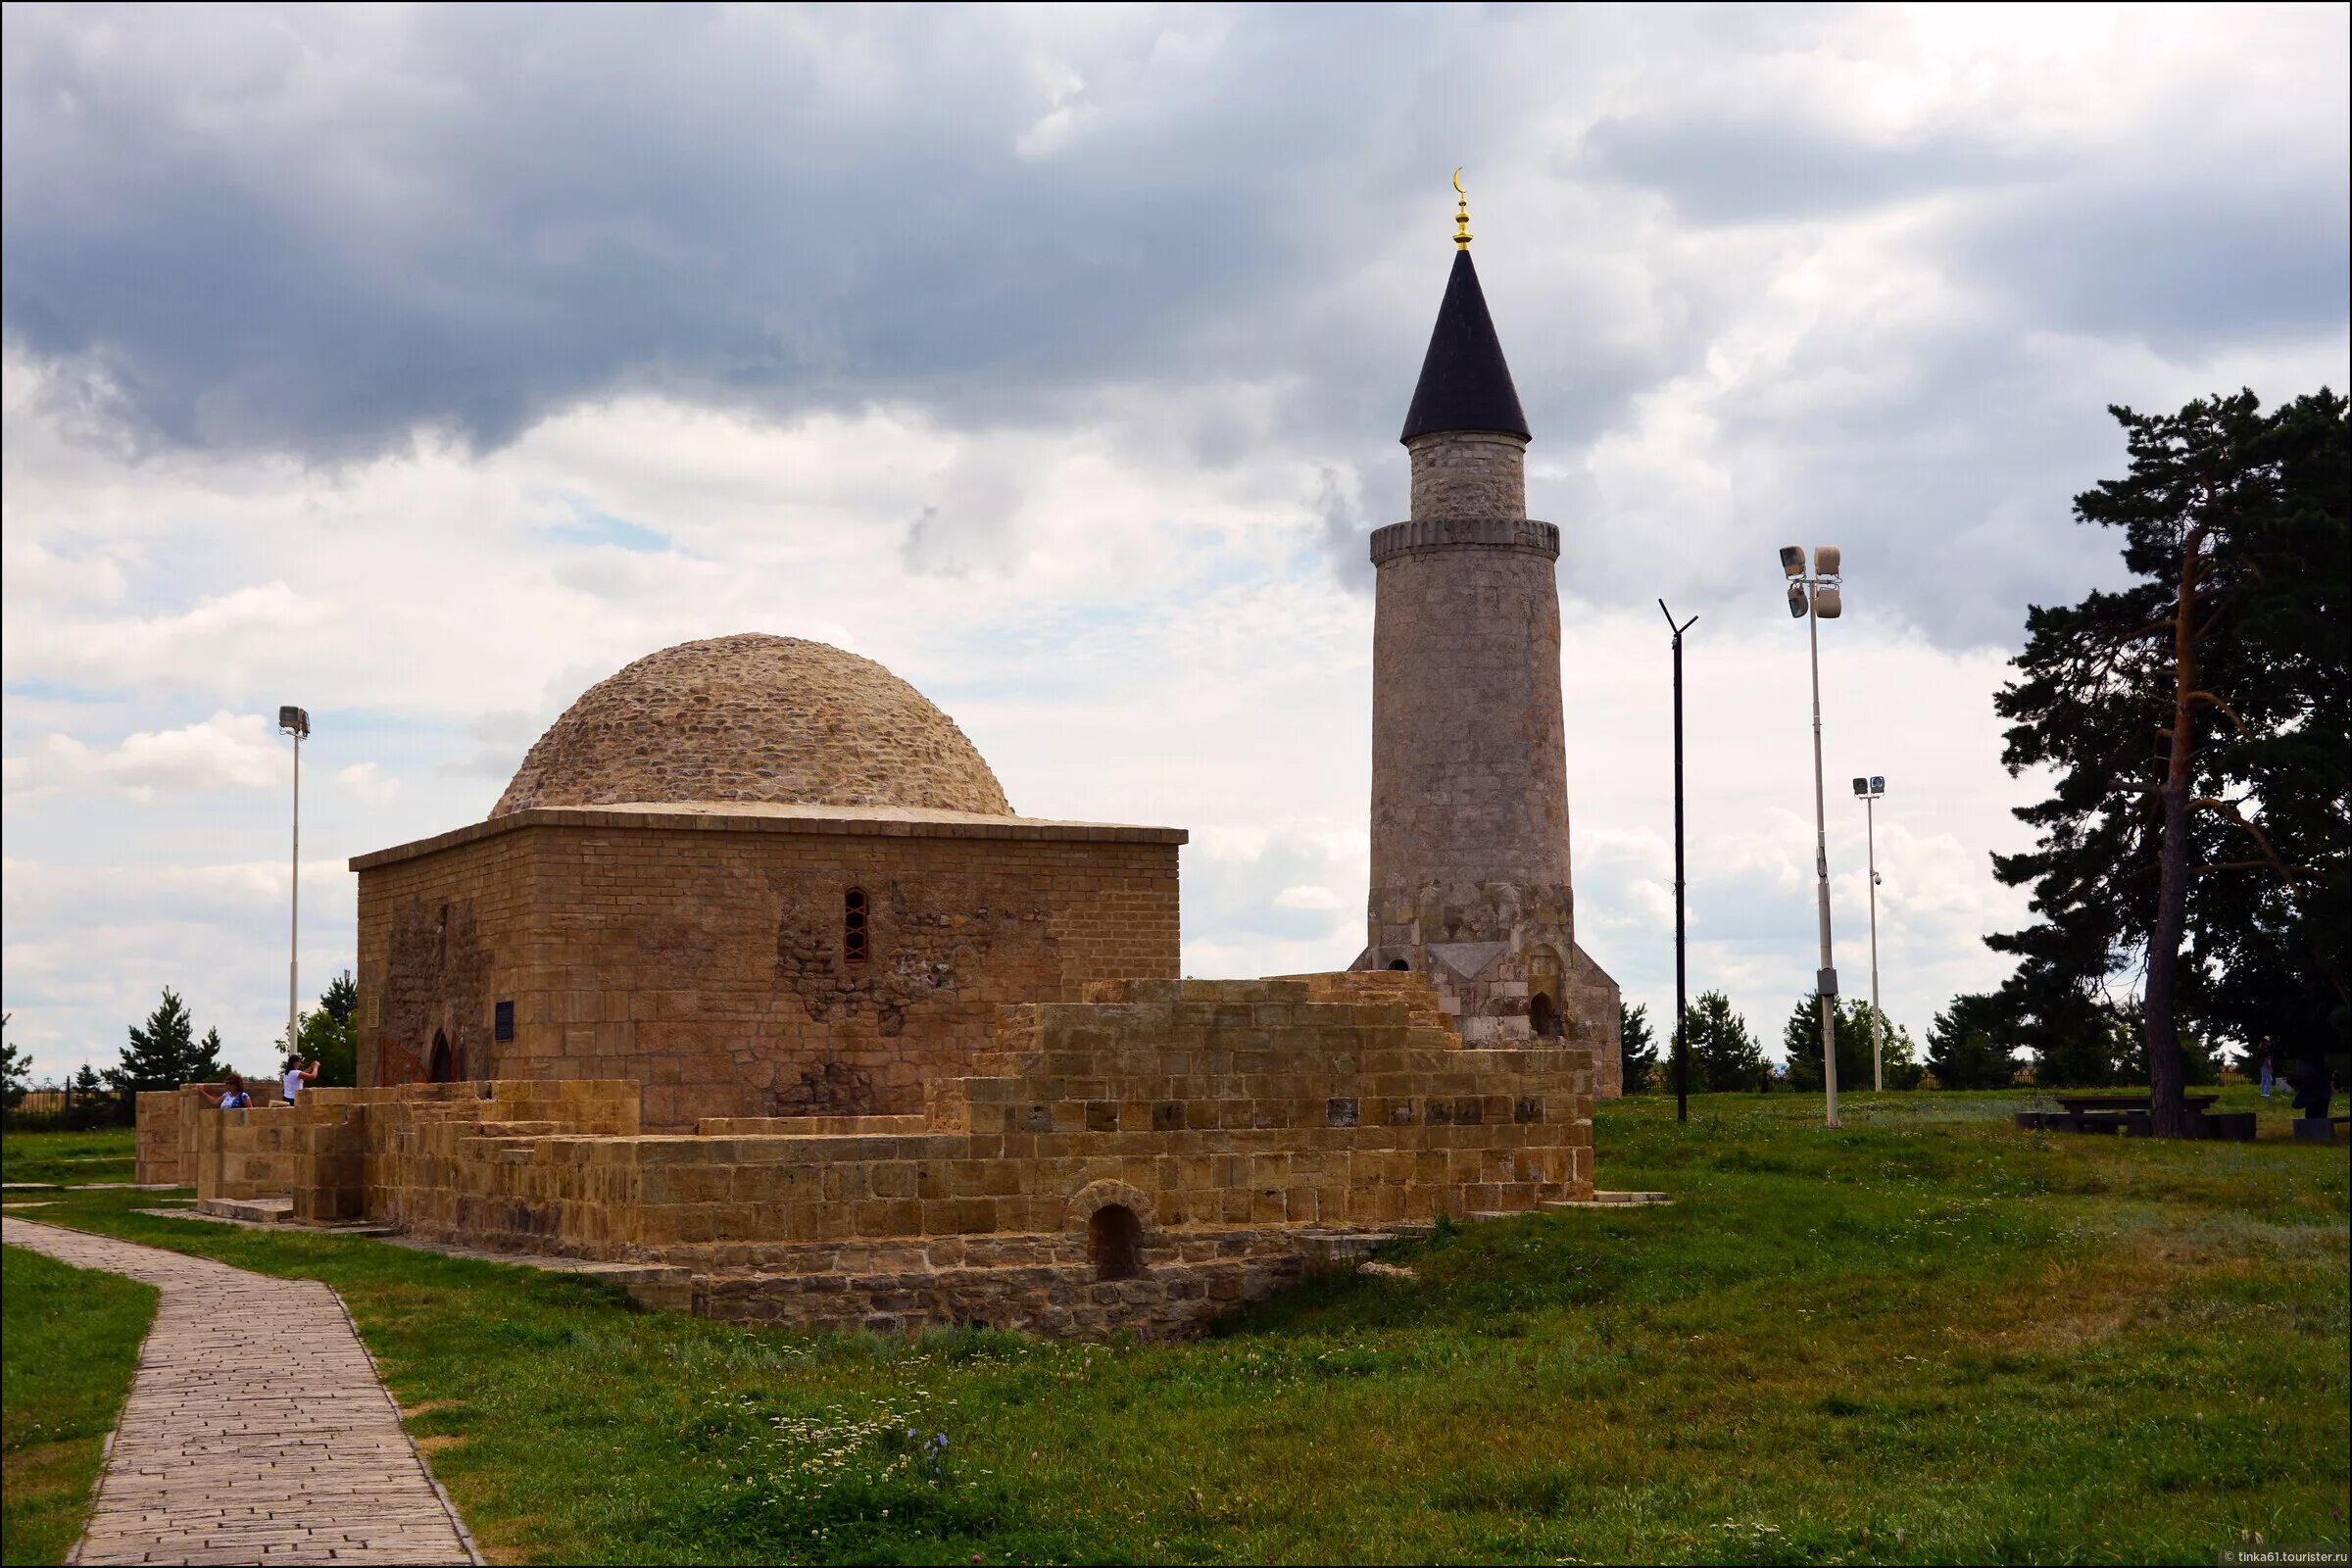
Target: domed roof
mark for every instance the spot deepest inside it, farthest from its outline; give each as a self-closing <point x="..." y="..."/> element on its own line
<point x="752" y="717"/>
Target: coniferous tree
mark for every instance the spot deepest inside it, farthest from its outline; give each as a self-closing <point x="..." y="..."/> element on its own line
<point x="2196" y="723"/>
<point x="1968" y="1045"/>
<point x="1800" y="1041"/>
<point x="341" y="997"/>
<point x="16" y="1070"/>
<point x="1724" y="1056"/>
<point x="330" y="1036"/>
<point x="165" y="1053"/>
<point x="1638" y="1049"/>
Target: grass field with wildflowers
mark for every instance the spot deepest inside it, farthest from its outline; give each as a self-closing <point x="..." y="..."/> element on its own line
<point x="1925" y="1338"/>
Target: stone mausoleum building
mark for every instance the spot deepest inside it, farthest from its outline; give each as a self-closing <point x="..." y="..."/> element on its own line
<point x="756" y="876"/>
<point x="754" y="985"/>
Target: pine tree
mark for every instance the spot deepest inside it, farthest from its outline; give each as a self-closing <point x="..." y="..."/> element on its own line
<point x="330" y="1036"/>
<point x="2196" y="725"/>
<point x="1638" y="1049"/>
<point x="1724" y="1056"/>
<point x="16" y="1070"/>
<point x="1966" y="1045"/>
<point x="165" y="1053"/>
<point x="341" y="997"/>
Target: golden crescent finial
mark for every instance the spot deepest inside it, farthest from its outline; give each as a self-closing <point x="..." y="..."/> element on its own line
<point x="1461" y="215"/>
<point x="1457" y="181"/>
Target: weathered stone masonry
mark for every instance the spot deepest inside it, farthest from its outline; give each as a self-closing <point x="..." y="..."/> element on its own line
<point x="1470" y="880"/>
<point x="1239" y="1131"/>
<point x="699" y="951"/>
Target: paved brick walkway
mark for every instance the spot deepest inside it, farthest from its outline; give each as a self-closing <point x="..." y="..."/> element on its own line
<point x="221" y="1459"/>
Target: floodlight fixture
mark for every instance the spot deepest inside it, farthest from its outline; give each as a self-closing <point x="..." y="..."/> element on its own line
<point x="295" y="721"/>
<point x="1878" y="783"/>
<point x="1825" y="561"/>
<point x="1796" y="600"/>
<point x="1861" y="786"/>
<point x="1792" y="562"/>
<point x="1828" y="603"/>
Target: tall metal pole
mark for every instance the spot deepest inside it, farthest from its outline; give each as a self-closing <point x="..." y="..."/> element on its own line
<point x="1825" y="983"/>
<point x="1878" y="1024"/>
<point x="294" y="916"/>
<point x="1682" y="1007"/>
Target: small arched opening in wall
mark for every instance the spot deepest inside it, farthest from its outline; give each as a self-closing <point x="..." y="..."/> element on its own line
<point x="1115" y="1243"/>
<point x="1542" y="1016"/>
<point x="441" y="1066"/>
<point x="1544" y="994"/>
<point x="1399" y="964"/>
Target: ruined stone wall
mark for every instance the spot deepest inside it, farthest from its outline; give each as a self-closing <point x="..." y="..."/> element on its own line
<point x="1244" y="1128"/>
<point x="155" y="1144"/>
<point x="705" y="958"/>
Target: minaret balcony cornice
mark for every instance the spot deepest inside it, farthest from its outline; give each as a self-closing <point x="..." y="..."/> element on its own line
<point x="1421" y="536"/>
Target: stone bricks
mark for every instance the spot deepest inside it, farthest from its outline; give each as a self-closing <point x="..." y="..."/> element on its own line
<point x="699" y="949"/>
<point x="1469" y="473"/>
<point x="1241" y="1124"/>
<point x="1470" y="877"/>
<point x="753" y="717"/>
<point x="255" y="1429"/>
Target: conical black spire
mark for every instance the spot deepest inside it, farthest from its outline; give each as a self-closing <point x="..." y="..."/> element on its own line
<point x="1464" y="386"/>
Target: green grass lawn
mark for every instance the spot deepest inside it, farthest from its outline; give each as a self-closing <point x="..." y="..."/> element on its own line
<point x="69" y="1158"/>
<point x="1926" y="1338"/>
<point x="71" y="1344"/>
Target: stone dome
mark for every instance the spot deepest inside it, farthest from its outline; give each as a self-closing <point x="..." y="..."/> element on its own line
<point x="751" y="717"/>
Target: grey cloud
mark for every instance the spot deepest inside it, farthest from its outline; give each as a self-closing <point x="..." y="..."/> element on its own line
<point x="1750" y="164"/>
<point x="2184" y="262"/>
<point x="789" y="209"/>
<point x="317" y="231"/>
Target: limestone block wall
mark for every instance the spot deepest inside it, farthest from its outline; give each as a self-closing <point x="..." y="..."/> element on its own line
<point x="1236" y="1128"/>
<point x="155" y="1145"/>
<point x="165" y="1140"/>
<point x="1592" y="998"/>
<point x="703" y="954"/>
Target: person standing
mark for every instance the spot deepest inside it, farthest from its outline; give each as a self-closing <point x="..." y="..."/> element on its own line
<point x="297" y="1075"/>
<point x="2265" y="1066"/>
<point x="232" y="1095"/>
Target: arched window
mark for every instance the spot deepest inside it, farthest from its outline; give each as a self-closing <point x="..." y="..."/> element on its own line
<point x="439" y="1070"/>
<point x="1399" y="964"/>
<point x="1115" y="1243"/>
<point x="853" y="927"/>
<point x="1542" y="1016"/>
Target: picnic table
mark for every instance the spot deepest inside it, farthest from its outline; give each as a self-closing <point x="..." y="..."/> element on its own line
<point x="2094" y="1104"/>
<point x="2128" y="1114"/>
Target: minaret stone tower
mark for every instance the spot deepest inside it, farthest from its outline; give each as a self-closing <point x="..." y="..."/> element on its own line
<point x="1470" y="878"/>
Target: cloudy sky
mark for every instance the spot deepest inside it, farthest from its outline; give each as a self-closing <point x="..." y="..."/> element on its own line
<point x="423" y="366"/>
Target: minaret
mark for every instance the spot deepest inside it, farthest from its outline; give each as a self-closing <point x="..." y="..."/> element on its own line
<point x="1470" y="880"/>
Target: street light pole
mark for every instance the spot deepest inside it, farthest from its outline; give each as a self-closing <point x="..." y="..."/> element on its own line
<point x="1827" y="985"/>
<point x="1817" y="597"/>
<point x="1878" y="1021"/>
<point x="297" y="723"/>
<point x="1681" y="1008"/>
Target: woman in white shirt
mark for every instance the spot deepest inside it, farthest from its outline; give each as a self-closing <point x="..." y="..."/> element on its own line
<point x="297" y="1075"/>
